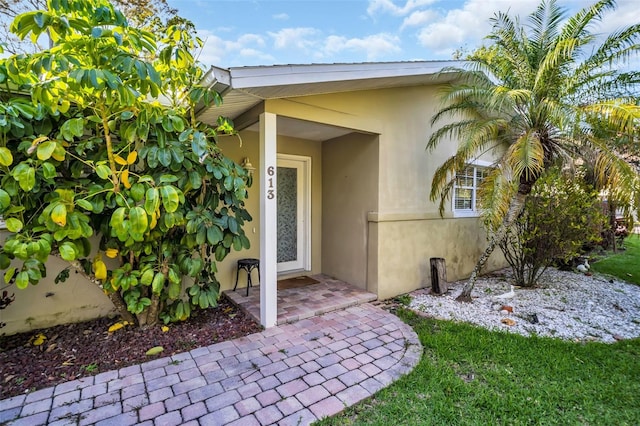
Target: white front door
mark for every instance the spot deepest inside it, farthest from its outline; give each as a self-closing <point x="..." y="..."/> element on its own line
<point x="294" y="213"/>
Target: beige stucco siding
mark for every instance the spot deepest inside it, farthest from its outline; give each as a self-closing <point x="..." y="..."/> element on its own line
<point x="405" y="247"/>
<point x="402" y="118"/>
<point x="48" y="304"/>
<point x="405" y="228"/>
<point x="350" y="191"/>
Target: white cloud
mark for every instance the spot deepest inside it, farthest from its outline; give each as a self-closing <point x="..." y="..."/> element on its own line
<point x="418" y="18"/>
<point x="389" y="6"/>
<point x="469" y="24"/>
<point x="375" y="46"/>
<point x="627" y="13"/>
<point x="280" y="17"/>
<point x="256" y="54"/>
<point x="217" y="50"/>
<point x="223" y="29"/>
<point x="295" y="38"/>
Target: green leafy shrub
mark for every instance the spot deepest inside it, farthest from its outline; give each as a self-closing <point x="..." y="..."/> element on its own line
<point x="560" y="217"/>
<point x="87" y="149"/>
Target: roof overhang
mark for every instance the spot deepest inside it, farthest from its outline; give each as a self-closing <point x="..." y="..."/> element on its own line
<point x="242" y="88"/>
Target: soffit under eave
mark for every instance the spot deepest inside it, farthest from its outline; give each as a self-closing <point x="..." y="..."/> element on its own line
<point x="234" y="104"/>
<point x="238" y="101"/>
<point x="309" y="89"/>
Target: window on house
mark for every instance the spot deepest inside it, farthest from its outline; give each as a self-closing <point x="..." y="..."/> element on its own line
<point x="468" y="181"/>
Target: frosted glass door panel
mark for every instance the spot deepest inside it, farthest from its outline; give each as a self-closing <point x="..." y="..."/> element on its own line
<point x="287" y="214"/>
<point x="294" y="207"/>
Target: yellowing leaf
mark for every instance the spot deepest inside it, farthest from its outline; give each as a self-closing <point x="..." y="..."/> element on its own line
<point x="37" y="140"/>
<point x="59" y="152"/>
<point x="6" y="158"/>
<point x="100" y="269"/>
<point x="120" y="160"/>
<point x="165" y="328"/>
<point x="117" y="326"/>
<point x="132" y="157"/>
<point x="64" y="106"/>
<point x="125" y="179"/>
<point x="154" y="221"/>
<point x="59" y="215"/>
<point x="39" y="339"/>
<point x="111" y="252"/>
<point x="155" y="350"/>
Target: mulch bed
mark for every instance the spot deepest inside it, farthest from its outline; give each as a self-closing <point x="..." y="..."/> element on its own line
<point x="83" y="349"/>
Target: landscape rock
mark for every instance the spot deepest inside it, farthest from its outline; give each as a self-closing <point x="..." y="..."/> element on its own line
<point x="567" y="305"/>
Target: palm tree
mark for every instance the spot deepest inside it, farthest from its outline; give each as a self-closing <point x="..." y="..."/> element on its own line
<point x="532" y="96"/>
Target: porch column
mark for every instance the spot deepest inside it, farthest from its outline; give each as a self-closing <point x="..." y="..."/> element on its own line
<point x="268" y="221"/>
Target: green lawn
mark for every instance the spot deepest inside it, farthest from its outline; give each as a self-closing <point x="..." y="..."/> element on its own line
<point x="625" y="264"/>
<point x="471" y="376"/>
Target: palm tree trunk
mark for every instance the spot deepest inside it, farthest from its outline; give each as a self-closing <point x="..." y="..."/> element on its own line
<point x="515" y="209"/>
<point x="611" y="233"/>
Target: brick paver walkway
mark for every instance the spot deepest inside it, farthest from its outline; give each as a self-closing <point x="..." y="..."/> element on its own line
<point x="287" y="375"/>
<point x="294" y="304"/>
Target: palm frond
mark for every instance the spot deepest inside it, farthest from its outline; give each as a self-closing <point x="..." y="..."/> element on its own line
<point x="550" y="71"/>
<point x="514" y="44"/>
<point x="619" y="180"/>
<point x="617" y="47"/>
<point x="621" y="115"/>
<point x="544" y="24"/>
<point x="496" y="193"/>
<point x="444" y="179"/>
<point x="474" y="136"/>
<point x="526" y="156"/>
<point x="576" y="26"/>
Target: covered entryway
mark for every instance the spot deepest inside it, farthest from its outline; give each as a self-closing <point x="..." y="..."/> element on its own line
<point x="313" y="187"/>
<point x="310" y="214"/>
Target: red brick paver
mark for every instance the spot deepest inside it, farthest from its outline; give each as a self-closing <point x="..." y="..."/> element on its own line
<point x="293" y="374"/>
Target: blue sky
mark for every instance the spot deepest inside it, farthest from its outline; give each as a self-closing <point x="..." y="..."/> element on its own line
<point x="267" y="32"/>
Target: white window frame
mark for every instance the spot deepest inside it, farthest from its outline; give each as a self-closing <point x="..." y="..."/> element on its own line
<point x="473" y="211"/>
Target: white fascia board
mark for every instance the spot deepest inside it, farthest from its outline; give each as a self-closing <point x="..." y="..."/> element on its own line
<point x="216" y="75"/>
<point x="282" y="75"/>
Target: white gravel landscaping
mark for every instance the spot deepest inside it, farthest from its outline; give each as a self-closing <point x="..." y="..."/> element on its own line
<point x="567" y="305"/>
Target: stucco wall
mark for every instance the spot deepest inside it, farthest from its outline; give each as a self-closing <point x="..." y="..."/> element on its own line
<point x="237" y="151"/>
<point x="405" y="229"/>
<point x="401" y="116"/>
<point x="405" y="247"/>
<point x="48" y="304"/>
<point x="350" y="191"/>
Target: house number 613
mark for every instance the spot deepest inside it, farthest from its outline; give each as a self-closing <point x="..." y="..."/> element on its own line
<point x="270" y="191"/>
